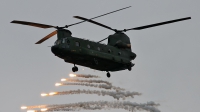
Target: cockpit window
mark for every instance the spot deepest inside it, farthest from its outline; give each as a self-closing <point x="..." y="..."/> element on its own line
<point x="57" y="42"/>
<point x="63" y="41"/>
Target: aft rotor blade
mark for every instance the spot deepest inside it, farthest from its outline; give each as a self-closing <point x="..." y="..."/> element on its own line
<point x="47" y="37"/>
<point x="158" y="24"/>
<point x="100" y="15"/>
<point x="94" y="22"/>
<point x="103" y="39"/>
<point x="32" y="24"/>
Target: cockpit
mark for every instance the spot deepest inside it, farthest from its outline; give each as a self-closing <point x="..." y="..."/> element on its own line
<point x="57" y="42"/>
<point x="61" y="41"/>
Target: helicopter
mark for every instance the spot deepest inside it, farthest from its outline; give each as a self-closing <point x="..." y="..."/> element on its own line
<point x="115" y="56"/>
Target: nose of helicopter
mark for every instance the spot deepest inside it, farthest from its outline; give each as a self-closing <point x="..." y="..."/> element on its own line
<point x="54" y="49"/>
<point x="57" y="50"/>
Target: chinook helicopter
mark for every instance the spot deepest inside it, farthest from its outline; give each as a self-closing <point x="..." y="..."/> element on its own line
<point x="115" y="56"/>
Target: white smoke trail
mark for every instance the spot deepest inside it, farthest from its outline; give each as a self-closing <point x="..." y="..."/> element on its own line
<point x="85" y="76"/>
<point x="90" y="85"/>
<point x="94" y="81"/>
<point x="115" y="95"/>
<point x="98" y="105"/>
<point x="104" y="86"/>
<point x="126" y="105"/>
<point x="88" y="81"/>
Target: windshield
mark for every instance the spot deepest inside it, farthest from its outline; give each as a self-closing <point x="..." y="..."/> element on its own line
<point x="57" y="42"/>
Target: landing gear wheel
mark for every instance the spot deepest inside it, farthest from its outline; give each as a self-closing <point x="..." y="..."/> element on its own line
<point x="108" y="74"/>
<point x="75" y="69"/>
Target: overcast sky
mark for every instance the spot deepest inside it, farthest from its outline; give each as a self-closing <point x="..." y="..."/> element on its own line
<point x="167" y="68"/>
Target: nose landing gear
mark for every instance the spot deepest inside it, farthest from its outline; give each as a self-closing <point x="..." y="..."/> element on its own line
<point x="75" y="68"/>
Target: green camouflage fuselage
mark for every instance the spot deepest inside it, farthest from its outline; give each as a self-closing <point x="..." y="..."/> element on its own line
<point x="92" y="54"/>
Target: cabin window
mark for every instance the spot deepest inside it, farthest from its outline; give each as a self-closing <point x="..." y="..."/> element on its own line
<point x="88" y="46"/>
<point x="77" y="44"/>
<point x="109" y="50"/>
<point x="98" y="48"/>
<point x="119" y="53"/>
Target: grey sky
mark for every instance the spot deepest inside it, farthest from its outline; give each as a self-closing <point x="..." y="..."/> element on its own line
<point x="167" y="63"/>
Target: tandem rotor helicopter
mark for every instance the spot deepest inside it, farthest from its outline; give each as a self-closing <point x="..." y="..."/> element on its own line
<point x="115" y="56"/>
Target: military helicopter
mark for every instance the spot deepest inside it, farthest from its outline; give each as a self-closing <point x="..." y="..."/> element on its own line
<point x="115" y="56"/>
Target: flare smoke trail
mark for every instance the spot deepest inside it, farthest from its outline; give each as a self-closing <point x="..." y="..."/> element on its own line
<point x="91" y="85"/>
<point x="126" y="105"/>
<point x="94" y="81"/>
<point x="115" y="95"/>
<point x="88" y="81"/>
<point x="104" y="86"/>
<point x="86" y="76"/>
<point x="94" y="105"/>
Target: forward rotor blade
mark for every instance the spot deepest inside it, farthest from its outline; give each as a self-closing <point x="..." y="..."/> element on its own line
<point x="158" y="24"/>
<point x="100" y="16"/>
<point x="47" y="37"/>
<point x="32" y="24"/>
<point x="94" y="22"/>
